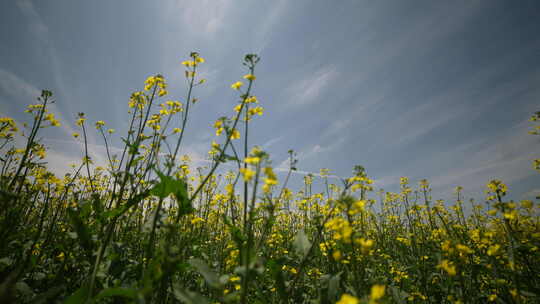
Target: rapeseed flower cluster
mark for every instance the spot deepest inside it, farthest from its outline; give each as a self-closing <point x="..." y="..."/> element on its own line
<point x="154" y="224"/>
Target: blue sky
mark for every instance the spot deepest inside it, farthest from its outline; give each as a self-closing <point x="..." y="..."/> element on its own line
<point x="426" y="89"/>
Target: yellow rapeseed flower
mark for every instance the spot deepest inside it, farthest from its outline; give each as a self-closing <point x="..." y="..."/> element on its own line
<point x="196" y="220"/>
<point x="536" y="164"/>
<point x="497" y="186"/>
<point x="99" y="124"/>
<point x="41" y="153"/>
<point x="377" y="292"/>
<point x="256" y="111"/>
<point x="252" y="160"/>
<point x="250" y="77"/>
<point x="528" y="204"/>
<point x="55" y="123"/>
<point x="251" y="99"/>
<point x="365" y="245"/>
<point x="493" y="249"/>
<point x="448" y="266"/>
<point x="247" y="174"/>
<point x="235" y="134"/>
<point x="236" y="85"/>
<point x="348" y="299"/>
<point x="404" y="180"/>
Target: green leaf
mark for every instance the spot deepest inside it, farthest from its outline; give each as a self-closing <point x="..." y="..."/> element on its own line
<point x="6" y="196"/>
<point x="118" y="292"/>
<point x="399" y="296"/>
<point x="6" y="261"/>
<point x="169" y="185"/>
<point x="224" y="279"/>
<point x="333" y="287"/>
<point x="97" y="205"/>
<point x="189" y="297"/>
<point x="275" y="267"/>
<point x="226" y="157"/>
<point x="236" y="233"/>
<point x="301" y="243"/>
<point x="209" y="276"/>
<point x="116" y="213"/>
<point x="78" y="297"/>
<point x="24" y="289"/>
<point x="133" y="147"/>
<point x="83" y="233"/>
<point x="47" y="296"/>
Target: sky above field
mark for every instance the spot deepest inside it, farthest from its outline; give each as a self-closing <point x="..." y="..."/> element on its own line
<point x="426" y="89"/>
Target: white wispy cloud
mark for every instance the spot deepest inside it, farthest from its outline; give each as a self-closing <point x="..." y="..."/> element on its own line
<point x="386" y="181"/>
<point x="204" y="17"/>
<point x="42" y="37"/>
<point x="304" y="173"/>
<point x="14" y="86"/>
<point x="43" y="41"/>
<point x="62" y="153"/>
<point x="306" y="91"/>
<point x="309" y="153"/>
<point x="420" y="35"/>
<point x="30" y="13"/>
<point x="265" y="28"/>
<point x="507" y="157"/>
<point x="271" y="142"/>
<point x="318" y="149"/>
<point x="466" y="100"/>
<point x="60" y="163"/>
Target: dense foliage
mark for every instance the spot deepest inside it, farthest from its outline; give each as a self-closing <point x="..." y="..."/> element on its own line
<point x="148" y="228"/>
